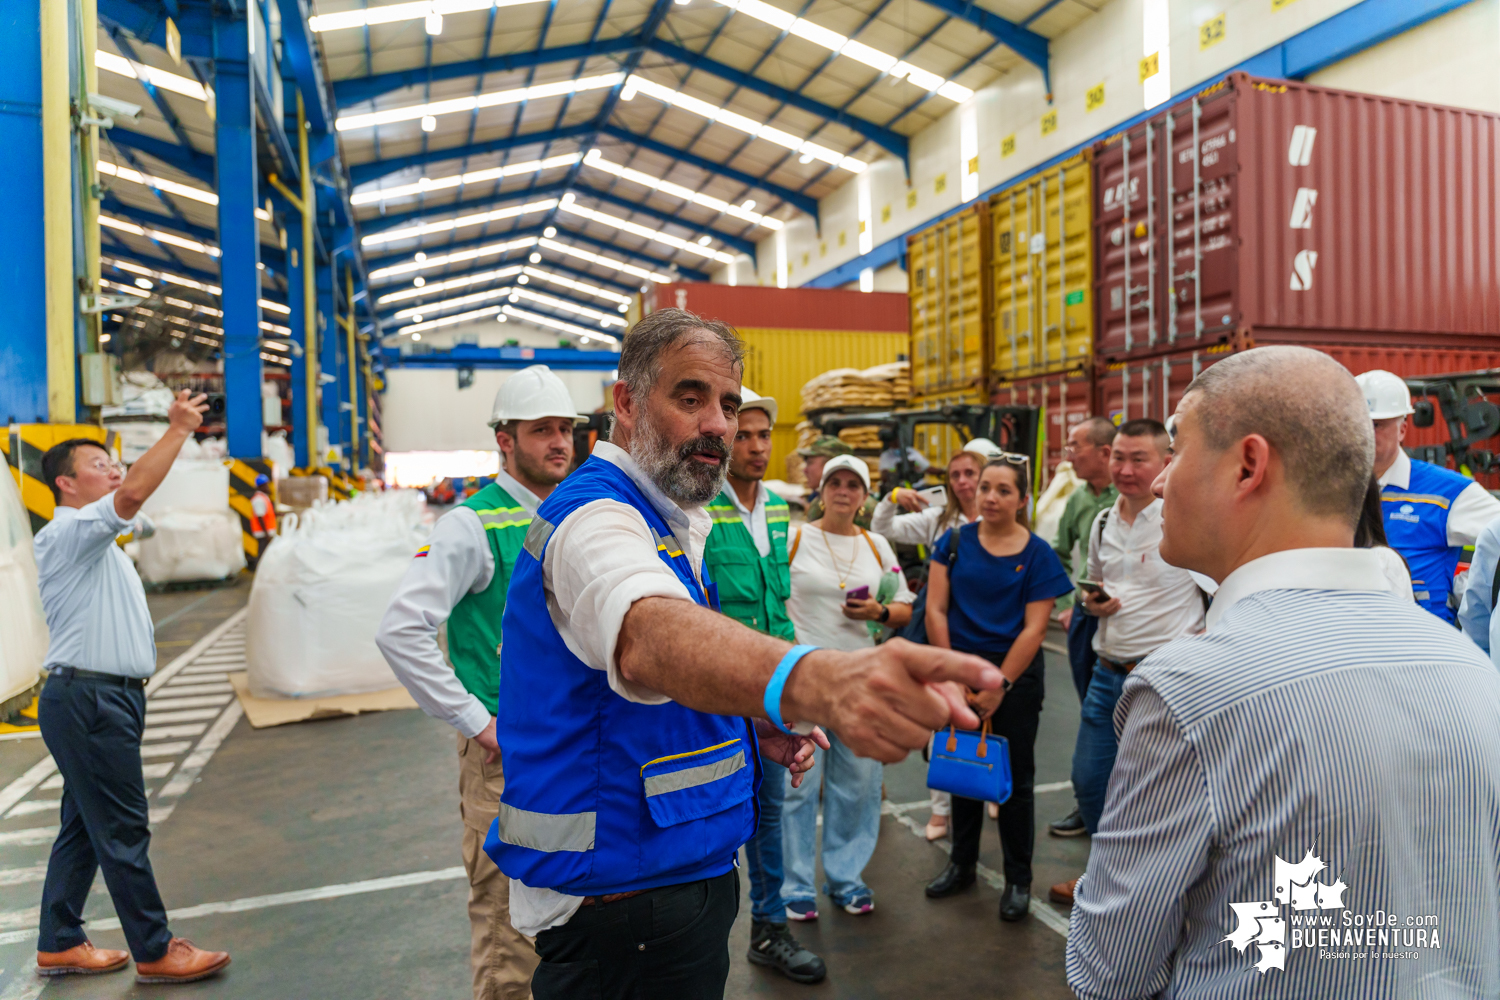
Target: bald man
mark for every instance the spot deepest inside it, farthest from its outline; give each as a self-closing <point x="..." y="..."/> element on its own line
<point x="1325" y="750"/>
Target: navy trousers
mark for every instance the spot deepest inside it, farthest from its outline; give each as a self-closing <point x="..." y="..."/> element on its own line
<point x="763" y="853"/>
<point x="92" y="726"/>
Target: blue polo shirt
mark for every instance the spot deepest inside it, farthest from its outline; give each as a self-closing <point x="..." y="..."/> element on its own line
<point x="988" y="594"/>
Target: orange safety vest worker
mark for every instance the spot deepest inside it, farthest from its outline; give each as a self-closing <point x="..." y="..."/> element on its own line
<point x="262" y="511"/>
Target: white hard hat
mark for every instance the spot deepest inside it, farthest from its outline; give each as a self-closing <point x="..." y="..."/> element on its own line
<point x="984" y="448"/>
<point x="753" y="400"/>
<point x="1385" y="394"/>
<point x="850" y="462"/>
<point x="531" y="394"/>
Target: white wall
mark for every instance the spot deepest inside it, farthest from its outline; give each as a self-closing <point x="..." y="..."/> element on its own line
<point x="1453" y="60"/>
<point x="424" y="410"/>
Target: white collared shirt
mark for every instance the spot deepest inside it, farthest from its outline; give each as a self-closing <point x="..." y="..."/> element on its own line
<point x="458" y="562"/>
<point x="1303" y="569"/>
<point x="754" y="517"/>
<point x="1470" y="512"/>
<point x="601" y="560"/>
<point x="1158" y="602"/>
<point x="95" y="604"/>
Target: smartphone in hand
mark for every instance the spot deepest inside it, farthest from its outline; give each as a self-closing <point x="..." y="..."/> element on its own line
<point x="1094" y="589"/>
<point x="857" y="594"/>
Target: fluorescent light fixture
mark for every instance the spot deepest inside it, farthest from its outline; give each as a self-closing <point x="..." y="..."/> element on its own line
<point x="423" y="261"/>
<point x="416" y="336"/>
<point x="522" y="280"/>
<point x="677" y="99"/>
<point x="170" y="187"/>
<point x="144" y="283"/>
<point x="415" y="313"/>
<point x="462" y="222"/>
<point x="579" y="286"/>
<point x="434" y="25"/>
<point x="541" y="298"/>
<point x="158" y="78"/>
<point x="549" y="232"/>
<point x="426" y="185"/>
<point x="429" y="123"/>
<point x="841" y="45"/>
<point x="156" y="234"/>
<point x="571" y="206"/>
<point x="609" y="262"/>
<point x="449" y="285"/>
<point x="432" y="324"/>
<point x="177" y="279"/>
<point x="419" y="282"/>
<point x="556" y="324"/>
<point x="559" y="89"/>
<point x="423" y="10"/>
<point x="596" y="160"/>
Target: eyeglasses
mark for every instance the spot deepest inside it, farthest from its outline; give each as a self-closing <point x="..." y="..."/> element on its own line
<point x="104" y="465"/>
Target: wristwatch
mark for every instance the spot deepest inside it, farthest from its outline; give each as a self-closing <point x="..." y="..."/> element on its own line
<point x="885" y="614"/>
<point x="1006" y="684"/>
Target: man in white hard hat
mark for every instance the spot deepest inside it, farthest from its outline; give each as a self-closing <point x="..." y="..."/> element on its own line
<point x="1431" y="513"/>
<point x="460" y="578"/>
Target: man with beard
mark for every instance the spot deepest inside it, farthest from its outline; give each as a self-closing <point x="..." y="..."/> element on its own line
<point x="460" y="578"/>
<point x="747" y="559"/>
<point x="634" y="718"/>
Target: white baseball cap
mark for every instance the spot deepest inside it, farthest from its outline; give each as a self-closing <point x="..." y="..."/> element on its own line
<point x="1385" y="394"/>
<point x="532" y="394"/>
<point x="752" y="400"/>
<point x="851" y="462"/>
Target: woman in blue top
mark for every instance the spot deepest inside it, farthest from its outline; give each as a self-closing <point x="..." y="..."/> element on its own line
<point x="990" y="589"/>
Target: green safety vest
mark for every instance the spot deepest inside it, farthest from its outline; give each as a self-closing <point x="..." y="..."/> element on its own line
<point x="753" y="589"/>
<point x="474" y="625"/>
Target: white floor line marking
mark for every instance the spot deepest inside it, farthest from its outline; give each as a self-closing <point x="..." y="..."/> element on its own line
<point x="22" y="786"/>
<point x="1053" y="786"/>
<point x="1042" y="911"/>
<point x="194" y="651"/>
<point x="201" y="688"/>
<point x="158" y="770"/>
<point x="254" y="902"/>
<point x="20" y="876"/>
<point x="33" y="806"/>
<point x="32" y="835"/>
<point x="173" y="732"/>
<point x="51" y="784"/>
<point x="195" y="761"/>
<point x="219" y="677"/>
<point x="191" y="701"/>
<point x="23" y="918"/>
<point x="191" y="715"/>
<point x="26" y="986"/>
<point x="165" y="749"/>
<point x="1053" y="647"/>
<point x="30" y="734"/>
<point x="212" y="668"/>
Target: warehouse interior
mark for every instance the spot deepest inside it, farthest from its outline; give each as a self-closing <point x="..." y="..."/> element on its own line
<point x="349" y="223"/>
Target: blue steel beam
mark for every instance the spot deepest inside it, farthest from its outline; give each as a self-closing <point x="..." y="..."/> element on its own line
<point x="297" y="320"/>
<point x="1023" y="41"/>
<point x="239" y="234"/>
<point x="892" y="142"/>
<point x="147" y="21"/>
<point x="330" y="351"/>
<point x="197" y="165"/>
<point x="301" y="55"/>
<point x="23" y="266"/>
<point x="502" y="357"/>
<point x="360" y="89"/>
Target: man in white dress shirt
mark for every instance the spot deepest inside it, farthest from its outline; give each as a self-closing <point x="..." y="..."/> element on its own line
<point x="458" y="583"/>
<point x="1326" y="751"/>
<point x="92" y="710"/>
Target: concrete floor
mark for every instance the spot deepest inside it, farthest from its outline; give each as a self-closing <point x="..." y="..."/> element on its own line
<point x="335" y="846"/>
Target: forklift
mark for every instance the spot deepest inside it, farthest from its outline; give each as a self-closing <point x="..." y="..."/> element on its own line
<point x="1470" y="417"/>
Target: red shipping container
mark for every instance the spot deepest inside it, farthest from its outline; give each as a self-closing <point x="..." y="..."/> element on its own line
<point x="1067" y="399"/>
<point x="1314" y="215"/>
<point x="754" y="307"/>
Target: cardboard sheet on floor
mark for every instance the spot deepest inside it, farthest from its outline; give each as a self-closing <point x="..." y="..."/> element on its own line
<point x="266" y="712"/>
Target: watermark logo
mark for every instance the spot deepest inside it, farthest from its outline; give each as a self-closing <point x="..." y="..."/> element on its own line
<point x="1262" y="923"/>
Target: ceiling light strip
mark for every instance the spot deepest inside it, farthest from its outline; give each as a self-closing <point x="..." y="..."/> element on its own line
<point x="608" y="262"/>
<point x="561" y="88"/>
<point x="449" y="320"/>
<point x="427" y="185"/>
<point x="596" y="160"/>
<point x="156" y="234"/>
<point x="571" y="206"/>
<point x="462" y="222"/>
<point x="640" y="85"/>
<point x="578" y="286"/>
<point x="159" y="78"/>
<point x="556" y="324"/>
<point x="169" y="187"/>
<point x="603" y="318"/>
<point x="449" y="285"/>
<point x="391" y="13"/>
<point x="177" y="279"/>
<point x="463" y="300"/>
<point x="442" y="260"/>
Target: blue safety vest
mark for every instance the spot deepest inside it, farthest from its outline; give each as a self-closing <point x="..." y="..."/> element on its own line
<point x="1416" y="525"/>
<point x="602" y="794"/>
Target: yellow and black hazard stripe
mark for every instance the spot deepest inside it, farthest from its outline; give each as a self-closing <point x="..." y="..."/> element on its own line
<point x="242" y="473"/>
<point x="25" y="444"/>
<point x="338" y="483"/>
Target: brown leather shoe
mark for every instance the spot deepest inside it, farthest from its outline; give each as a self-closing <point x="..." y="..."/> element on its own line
<point x="82" y="960"/>
<point x="182" y="963"/>
<point x="1062" y="892"/>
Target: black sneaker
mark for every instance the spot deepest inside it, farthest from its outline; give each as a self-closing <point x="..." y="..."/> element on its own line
<point x="772" y="945"/>
<point x="1069" y="826"/>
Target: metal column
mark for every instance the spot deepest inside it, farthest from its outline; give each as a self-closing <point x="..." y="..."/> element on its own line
<point x="328" y="360"/>
<point x="296" y="300"/>
<point x="239" y="235"/>
<point x="351" y="366"/>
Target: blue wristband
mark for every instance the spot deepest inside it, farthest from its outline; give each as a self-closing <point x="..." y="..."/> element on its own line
<point x="778" y="681"/>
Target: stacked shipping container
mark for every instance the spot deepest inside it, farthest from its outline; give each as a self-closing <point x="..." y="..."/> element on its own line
<point x="1257" y="212"/>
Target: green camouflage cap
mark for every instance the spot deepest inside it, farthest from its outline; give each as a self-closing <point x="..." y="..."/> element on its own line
<point x="825" y="447"/>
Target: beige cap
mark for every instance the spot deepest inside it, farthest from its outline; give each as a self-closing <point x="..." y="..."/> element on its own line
<point x="851" y="462"/>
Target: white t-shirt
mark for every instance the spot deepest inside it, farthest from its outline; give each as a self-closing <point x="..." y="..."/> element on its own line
<point x="823" y="560"/>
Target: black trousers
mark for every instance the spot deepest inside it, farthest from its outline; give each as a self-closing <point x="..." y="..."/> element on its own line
<point x="1016" y="719"/>
<point x="670" y="943"/>
<point x="93" y="729"/>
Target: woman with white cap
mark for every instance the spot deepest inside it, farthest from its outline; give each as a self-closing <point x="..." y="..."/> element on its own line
<point x="845" y="584"/>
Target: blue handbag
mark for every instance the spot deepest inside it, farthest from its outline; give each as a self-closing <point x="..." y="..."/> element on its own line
<point x="973" y="765"/>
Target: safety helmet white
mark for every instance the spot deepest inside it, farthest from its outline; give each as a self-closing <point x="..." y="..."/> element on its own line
<point x="532" y="394"/>
<point x="752" y="400"/>
<point x="984" y="448"/>
<point x="1385" y="394"/>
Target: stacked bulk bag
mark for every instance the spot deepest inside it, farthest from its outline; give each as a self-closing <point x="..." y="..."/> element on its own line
<point x="197" y="534"/>
<point x="320" y="591"/>
<point x="23" y="626"/>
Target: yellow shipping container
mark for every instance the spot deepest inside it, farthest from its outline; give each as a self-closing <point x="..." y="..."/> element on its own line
<point x="951" y="310"/>
<point x="1043" y="272"/>
<point x="779" y="362"/>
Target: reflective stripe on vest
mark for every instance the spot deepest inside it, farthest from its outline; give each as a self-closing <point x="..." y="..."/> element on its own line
<point x="694" y="776"/>
<point x="547" y="831"/>
<point x="537" y="535"/>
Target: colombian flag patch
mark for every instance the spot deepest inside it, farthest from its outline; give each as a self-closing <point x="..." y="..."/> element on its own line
<point x="422" y="552"/>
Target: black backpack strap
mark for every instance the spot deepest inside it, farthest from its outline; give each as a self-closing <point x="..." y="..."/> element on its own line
<point x="1494" y="589"/>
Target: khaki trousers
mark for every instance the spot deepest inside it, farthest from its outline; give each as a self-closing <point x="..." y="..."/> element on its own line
<point x="503" y="959"/>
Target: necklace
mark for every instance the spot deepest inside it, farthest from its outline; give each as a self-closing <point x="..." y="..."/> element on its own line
<point x="844" y="576"/>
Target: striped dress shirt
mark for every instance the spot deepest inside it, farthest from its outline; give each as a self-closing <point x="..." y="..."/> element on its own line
<point x="1325" y="752"/>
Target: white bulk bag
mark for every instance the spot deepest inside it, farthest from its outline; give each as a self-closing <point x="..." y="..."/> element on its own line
<point x="192" y="545"/>
<point x="319" y="594"/>
<point x="191" y="484"/>
<point x="23" y="626"/>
